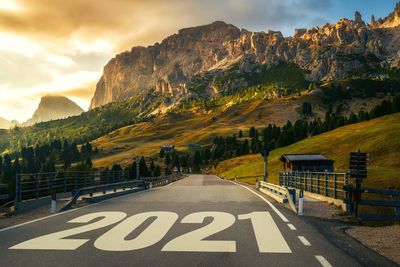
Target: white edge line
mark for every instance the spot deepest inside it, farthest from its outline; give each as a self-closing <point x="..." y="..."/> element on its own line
<point x="291" y="226"/>
<point x="284" y="219"/>
<point x="323" y="261"/>
<point x="304" y="241"/>
<point x="64" y="212"/>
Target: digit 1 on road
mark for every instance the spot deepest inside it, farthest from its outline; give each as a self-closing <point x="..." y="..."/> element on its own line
<point x="269" y="238"/>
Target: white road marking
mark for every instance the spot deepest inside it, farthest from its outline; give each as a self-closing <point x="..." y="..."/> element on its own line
<point x="194" y="241"/>
<point x="58" y="241"/>
<point x="65" y="212"/>
<point x="291" y="226"/>
<point x="323" y="261"/>
<point x="304" y="241"/>
<point x="269" y="238"/>
<point x="284" y="219"/>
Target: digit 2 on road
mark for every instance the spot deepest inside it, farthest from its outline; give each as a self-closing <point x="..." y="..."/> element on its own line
<point x="268" y="237"/>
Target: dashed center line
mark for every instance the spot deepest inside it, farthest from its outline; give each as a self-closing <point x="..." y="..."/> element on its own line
<point x="304" y="241"/>
<point x="323" y="261"/>
<point x="291" y="226"/>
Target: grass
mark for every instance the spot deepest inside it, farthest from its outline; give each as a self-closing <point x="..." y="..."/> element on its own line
<point x="379" y="137"/>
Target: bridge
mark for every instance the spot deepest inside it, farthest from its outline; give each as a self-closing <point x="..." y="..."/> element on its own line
<point x="200" y="220"/>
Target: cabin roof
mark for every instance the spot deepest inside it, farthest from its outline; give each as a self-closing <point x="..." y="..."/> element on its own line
<point x="303" y="157"/>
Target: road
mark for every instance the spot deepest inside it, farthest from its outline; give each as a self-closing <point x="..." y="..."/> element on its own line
<point x="198" y="221"/>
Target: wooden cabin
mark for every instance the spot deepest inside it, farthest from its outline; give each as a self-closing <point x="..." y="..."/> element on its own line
<point x="306" y="162"/>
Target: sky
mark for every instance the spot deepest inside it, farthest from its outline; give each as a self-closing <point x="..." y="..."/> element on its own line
<point x="60" y="47"/>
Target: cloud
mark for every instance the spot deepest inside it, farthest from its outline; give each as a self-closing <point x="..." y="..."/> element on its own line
<point x="60" y="47"/>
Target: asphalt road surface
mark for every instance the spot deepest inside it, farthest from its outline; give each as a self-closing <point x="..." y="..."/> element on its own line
<point x="198" y="221"/>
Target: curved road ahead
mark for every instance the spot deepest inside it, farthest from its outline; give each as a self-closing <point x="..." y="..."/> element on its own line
<point x="198" y="221"/>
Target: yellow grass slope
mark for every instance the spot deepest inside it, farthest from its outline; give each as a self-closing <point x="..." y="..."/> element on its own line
<point x="183" y="128"/>
<point x="379" y="137"/>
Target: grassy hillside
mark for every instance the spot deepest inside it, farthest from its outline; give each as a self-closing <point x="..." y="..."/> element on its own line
<point x="379" y="137"/>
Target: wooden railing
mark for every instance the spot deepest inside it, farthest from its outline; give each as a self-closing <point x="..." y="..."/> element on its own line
<point x="329" y="184"/>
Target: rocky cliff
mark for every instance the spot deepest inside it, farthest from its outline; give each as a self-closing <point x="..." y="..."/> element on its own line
<point x="52" y="108"/>
<point x="330" y="52"/>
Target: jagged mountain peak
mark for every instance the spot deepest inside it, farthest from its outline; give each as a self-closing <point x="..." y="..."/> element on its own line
<point x="326" y="53"/>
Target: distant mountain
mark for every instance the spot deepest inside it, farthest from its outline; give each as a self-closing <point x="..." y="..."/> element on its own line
<point x="194" y="61"/>
<point x="53" y="108"/>
<point x="4" y="124"/>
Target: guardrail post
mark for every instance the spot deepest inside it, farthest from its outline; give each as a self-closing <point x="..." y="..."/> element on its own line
<point x="334" y="186"/>
<point x="318" y="183"/>
<point x="37" y="185"/>
<point x="93" y="177"/>
<point x="326" y="184"/>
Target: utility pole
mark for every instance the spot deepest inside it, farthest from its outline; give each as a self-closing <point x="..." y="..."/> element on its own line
<point x="264" y="154"/>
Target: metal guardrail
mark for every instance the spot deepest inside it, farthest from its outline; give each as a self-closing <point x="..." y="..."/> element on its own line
<point x="329" y="184"/>
<point x="273" y="187"/>
<point x="36" y="185"/>
<point x="280" y="193"/>
<point x="102" y="188"/>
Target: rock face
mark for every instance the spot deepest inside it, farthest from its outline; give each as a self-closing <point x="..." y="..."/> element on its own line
<point x="330" y="52"/>
<point x="52" y="108"/>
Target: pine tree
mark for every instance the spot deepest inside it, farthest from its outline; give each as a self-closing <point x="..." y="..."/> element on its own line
<point x="88" y="162"/>
<point x="252" y="132"/>
<point x="162" y="153"/>
<point x="157" y="171"/>
<point x="143" y="169"/>
<point x="240" y="134"/>
<point x="167" y="159"/>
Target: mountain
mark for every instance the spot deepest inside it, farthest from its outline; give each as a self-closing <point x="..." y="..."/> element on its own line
<point x="53" y="108"/>
<point x="4" y="124"/>
<point x="194" y="61"/>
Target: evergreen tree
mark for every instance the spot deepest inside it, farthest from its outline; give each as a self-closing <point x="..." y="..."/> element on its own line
<point x="252" y="132"/>
<point x="157" y="171"/>
<point x="306" y="109"/>
<point x="7" y="169"/>
<point x="240" y="134"/>
<point x="162" y="153"/>
<point x="89" y="162"/>
<point x="143" y="169"/>
<point x="197" y="158"/>
<point x="167" y="159"/>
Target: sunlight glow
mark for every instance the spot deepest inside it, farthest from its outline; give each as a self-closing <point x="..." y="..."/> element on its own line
<point x="10" y="5"/>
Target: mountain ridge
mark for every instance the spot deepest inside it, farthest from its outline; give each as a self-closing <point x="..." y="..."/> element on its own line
<point x="331" y="52"/>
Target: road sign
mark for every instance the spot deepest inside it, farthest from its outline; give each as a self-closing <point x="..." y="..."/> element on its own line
<point x="265" y="152"/>
<point x="358" y="165"/>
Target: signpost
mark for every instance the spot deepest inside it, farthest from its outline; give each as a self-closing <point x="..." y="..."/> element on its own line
<point x="264" y="154"/>
<point x="358" y="171"/>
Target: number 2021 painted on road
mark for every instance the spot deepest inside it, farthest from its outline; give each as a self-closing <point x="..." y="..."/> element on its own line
<point x="268" y="237"/>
